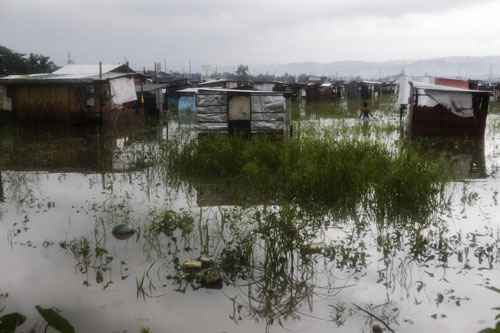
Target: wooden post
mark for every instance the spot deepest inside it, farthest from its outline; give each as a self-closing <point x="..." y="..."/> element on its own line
<point x="99" y="91"/>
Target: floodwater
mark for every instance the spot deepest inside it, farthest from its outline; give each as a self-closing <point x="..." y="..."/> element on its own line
<point x="62" y="191"/>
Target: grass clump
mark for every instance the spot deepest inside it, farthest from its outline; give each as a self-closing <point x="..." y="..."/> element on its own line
<point x="315" y="173"/>
<point x="168" y="222"/>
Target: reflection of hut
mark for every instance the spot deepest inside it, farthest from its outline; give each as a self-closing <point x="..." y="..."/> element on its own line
<point x="74" y="93"/>
<point x="231" y="110"/>
<point x="465" y="158"/>
<point x="82" y="149"/>
<point x="439" y="110"/>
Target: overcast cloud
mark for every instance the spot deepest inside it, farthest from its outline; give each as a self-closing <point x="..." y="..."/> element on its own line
<point x="226" y="32"/>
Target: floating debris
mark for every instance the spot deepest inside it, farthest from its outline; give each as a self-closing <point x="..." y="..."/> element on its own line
<point x="123" y="231"/>
<point x="211" y="279"/>
<point x="206" y="262"/>
<point x="192" y="265"/>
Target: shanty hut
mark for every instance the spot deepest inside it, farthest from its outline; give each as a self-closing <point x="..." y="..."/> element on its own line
<point x="292" y="90"/>
<point x="152" y="97"/>
<point x="231" y="110"/>
<point x="74" y="94"/>
<point x="440" y="110"/>
<point x="363" y="89"/>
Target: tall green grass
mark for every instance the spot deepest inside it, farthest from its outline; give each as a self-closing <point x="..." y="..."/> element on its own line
<point x="340" y="176"/>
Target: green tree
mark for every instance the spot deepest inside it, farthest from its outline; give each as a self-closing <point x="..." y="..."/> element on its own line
<point x="12" y="62"/>
<point x="302" y="78"/>
<point x="242" y="72"/>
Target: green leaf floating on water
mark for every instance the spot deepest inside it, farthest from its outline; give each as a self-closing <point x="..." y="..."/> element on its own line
<point x="55" y="320"/>
<point x="9" y="322"/>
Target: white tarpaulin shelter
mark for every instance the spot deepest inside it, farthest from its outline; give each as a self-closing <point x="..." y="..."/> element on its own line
<point x="458" y="101"/>
<point x="122" y="90"/>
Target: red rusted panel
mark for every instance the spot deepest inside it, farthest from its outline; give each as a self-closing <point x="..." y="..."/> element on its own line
<point x="440" y="121"/>
<point x="462" y="84"/>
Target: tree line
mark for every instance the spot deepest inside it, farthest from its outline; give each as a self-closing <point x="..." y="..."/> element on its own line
<point x="12" y="62"/>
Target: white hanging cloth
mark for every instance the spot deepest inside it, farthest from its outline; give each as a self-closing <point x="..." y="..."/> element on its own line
<point x="123" y="90"/>
<point x="459" y="104"/>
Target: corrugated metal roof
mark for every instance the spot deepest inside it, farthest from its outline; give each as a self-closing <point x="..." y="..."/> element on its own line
<point x="85" y="70"/>
<point x="216" y="81"/>
<point x="69" y="74"/>
<point x="58" y="78"/>
<point x="221" y="90"/>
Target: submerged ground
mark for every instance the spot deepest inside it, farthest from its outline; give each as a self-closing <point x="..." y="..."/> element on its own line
<point x="279" y="254"/>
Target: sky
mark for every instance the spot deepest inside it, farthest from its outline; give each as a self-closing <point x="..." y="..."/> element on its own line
<point x="229" y="32"/>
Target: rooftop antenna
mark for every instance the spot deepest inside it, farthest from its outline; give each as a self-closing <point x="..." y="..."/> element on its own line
<point x="70" y="61"/>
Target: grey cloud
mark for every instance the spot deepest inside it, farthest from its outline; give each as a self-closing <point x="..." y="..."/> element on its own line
<point x="207" y="31"/>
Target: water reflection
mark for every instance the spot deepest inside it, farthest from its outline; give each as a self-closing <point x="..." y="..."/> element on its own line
<point x="62" y="194"/>
<point x="465" y="158"/>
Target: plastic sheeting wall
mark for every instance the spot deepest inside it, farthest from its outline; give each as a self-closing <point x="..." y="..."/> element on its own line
<point x="267" y="113"/>
<point x="122" y="91"/>
<point x="459" y="104"/>
<point x="211" y="112"/>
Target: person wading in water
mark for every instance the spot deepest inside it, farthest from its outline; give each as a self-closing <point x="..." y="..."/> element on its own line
<point x="365" y="112"/>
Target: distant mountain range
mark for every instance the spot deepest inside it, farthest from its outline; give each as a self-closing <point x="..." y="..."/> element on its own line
<point x="459" y="67"/>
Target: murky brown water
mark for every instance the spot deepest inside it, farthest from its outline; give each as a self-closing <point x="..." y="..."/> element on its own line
<point x="59" y="188"/>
